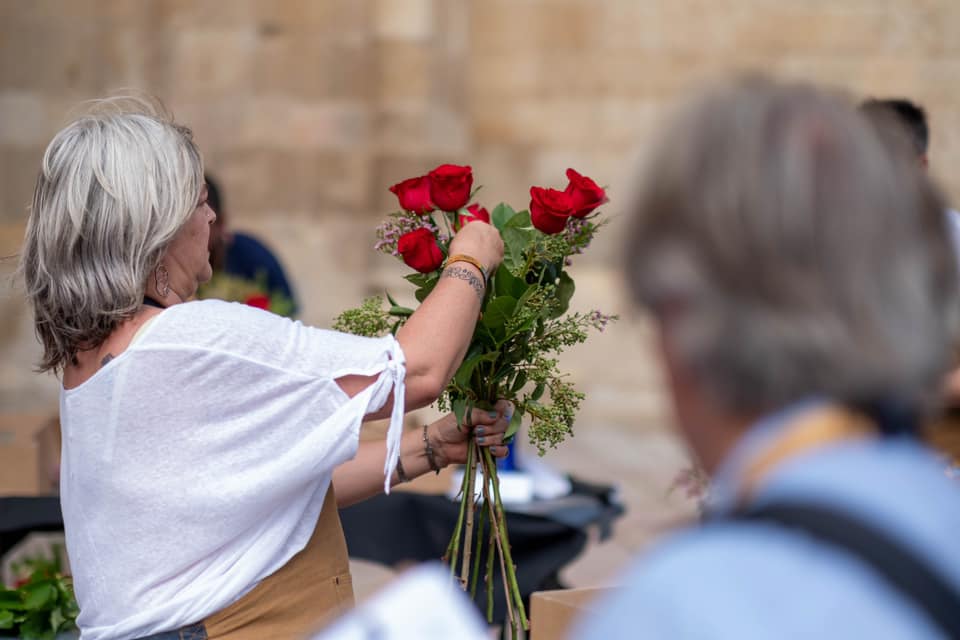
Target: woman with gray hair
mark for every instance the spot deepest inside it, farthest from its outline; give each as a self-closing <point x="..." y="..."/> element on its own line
<point x="801" y="276"/>
<point x="203" y="441"/>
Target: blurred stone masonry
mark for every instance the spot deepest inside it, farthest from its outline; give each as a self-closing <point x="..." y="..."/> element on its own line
<point x="308" y="110"/>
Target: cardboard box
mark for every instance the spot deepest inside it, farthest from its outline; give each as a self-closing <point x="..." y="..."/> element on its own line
<point x="553" y="613"/>
<point x="29" y="454"/>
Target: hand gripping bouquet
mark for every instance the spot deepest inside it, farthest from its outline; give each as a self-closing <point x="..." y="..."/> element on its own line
<point x="523" y="327"/>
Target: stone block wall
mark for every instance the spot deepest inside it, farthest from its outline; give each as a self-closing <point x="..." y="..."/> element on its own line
<point x="307" y="110"/>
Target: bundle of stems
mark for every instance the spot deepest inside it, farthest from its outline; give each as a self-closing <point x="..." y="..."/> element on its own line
<point x="489" y="527"/>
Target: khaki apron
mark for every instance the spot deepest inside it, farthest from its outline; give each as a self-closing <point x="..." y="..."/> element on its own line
<point x="310" y="590"/>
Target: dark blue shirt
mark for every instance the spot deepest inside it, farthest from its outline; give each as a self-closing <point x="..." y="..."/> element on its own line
<point x="248" y="258"/>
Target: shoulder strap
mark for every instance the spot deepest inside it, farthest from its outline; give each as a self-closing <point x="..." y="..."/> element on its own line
<point x="901" y="568"/>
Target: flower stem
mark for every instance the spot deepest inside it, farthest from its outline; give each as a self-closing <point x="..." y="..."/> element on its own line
<point x="476" y="560"/>
<point x="495" y="523"/>
<point x="468" y="500"/>
<point x="511" y="576"/>
<point x="453" y="549"/>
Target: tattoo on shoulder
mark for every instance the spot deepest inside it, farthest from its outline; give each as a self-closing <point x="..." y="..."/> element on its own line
<point x="107" y="358"/>
<point x="467" y="276"/>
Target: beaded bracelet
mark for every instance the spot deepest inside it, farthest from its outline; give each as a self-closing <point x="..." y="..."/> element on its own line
<point x="428" y="448"/>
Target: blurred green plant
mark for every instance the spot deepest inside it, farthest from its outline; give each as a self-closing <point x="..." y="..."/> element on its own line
<point x="42" y="605"/>
<point x="223" y="286"/>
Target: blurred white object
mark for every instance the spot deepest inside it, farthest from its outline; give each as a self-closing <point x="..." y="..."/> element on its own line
<point x="548" y="483"/>
<point x="533" y="479"/>
<point x="34" y="546"/>
<point x="422" y="604"/>
<point x="516" y="487"/>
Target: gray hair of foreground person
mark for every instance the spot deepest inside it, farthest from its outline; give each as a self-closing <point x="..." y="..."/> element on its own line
<point x="793" y="252"/>
<point x="114" y="187"/>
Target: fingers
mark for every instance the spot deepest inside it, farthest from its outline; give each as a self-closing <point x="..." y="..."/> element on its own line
<point x="491" y="427"/>
<point x="499" y="451"/>
<point x="489" y="417"/>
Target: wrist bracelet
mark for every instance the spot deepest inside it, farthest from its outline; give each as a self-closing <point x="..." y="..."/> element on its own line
<point x="401" y="474"/>
<point x="428" y="449"/>
<point x="462" y="257"/>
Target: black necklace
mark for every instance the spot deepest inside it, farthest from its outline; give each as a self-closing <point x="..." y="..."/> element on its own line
<point x="151" y="302"/>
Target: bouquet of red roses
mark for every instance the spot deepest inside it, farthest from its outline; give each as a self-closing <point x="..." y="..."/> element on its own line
<point x="524" y="325"/>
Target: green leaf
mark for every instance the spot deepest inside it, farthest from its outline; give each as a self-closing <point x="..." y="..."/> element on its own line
<point x="507" y="284"/>
<point x="10" y="599"/>
<point x="565" y="289"/>
<point x="56" y="618"/>
<point x="495" y="317"/>
<point x="501" y="214"/>
<point x="390" y="299"/>
<point x="460" y="409"/>
<point x="518" y="382"/>
<point x="514" y="425"/>
<point x="418" y="279"/>
<point x="462" y="377"/>
<point x="515" y="241"/>
<point x="6" y="619"/>
<point x="400" y="311"/>
<point x="35" y="628"/>
<point x="36" y="596"/>
<point x="538" y="392"/>
<point x="520" y="221"/>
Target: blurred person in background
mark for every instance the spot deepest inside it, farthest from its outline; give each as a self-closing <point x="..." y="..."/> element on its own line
<point x="913" y="119"/>
<point x="798" y="267"/>
<point x="207" y="445"/>
<point x="241" y="255"/>
<point x="943" y="431"/>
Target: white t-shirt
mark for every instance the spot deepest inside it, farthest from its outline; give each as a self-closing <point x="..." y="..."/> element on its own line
<point x="195" y="463"/>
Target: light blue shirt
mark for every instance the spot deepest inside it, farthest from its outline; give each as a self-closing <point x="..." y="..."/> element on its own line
<point x="761" y="581"/>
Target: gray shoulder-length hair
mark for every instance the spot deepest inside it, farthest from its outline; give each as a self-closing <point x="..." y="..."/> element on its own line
<point x="794" y="250"/>
<point x="114" y="187"/>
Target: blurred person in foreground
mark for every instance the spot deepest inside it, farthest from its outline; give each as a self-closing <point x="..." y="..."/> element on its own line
<point x="798" y="268"/>
<point x="206" y="444"/>
<point x="943" y="431"/>
<point x="241" y="255"/>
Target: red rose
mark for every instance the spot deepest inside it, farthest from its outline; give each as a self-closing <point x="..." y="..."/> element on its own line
<point x="258" y="300"/>
<point x="450" y="186"/>
<point x="476" y="212"/>
<point x="549" y="209"/>
<point x="420" y="251"/>
<point x="585" y="195"/>
<point x="414" y="195"/>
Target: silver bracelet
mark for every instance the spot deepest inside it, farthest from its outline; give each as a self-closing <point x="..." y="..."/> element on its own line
<point x="428" y="449"/>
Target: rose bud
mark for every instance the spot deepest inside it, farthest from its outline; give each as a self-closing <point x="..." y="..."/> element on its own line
<point x="475" y="212"/>
<point x="450" y="186"/>
<point x="585" y="195"/>
<point x="420" y="250"/>
<point x="549" y="209"/>
<point x="258" y="300"/>
<point x="414" y="195"/>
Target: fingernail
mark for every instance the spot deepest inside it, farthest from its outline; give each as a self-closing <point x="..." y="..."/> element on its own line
<point x="493" y="415"/>
<point x="509" y="416"/>
<point x="479" y="431"/>
<point x="480" y="439"/>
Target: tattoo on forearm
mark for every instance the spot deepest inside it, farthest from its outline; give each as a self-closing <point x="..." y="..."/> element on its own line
<point x="467" y="276"/>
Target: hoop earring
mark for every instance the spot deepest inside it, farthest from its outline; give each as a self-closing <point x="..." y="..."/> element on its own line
<point x="163" y="281"/>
